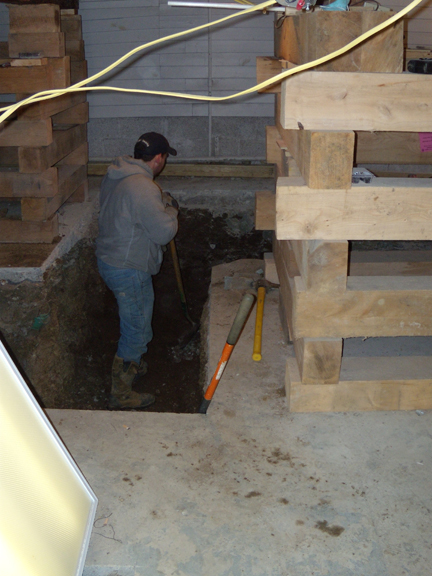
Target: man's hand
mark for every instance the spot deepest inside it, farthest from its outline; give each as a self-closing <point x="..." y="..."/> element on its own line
<point x="168" y="200"/>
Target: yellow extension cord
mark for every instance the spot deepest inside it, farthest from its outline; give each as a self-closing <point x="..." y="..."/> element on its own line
<point x="81" y="86"/>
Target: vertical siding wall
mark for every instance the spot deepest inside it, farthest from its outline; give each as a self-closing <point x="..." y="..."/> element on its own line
<point x="418" y="24"/>
<point x="216" y="61"/>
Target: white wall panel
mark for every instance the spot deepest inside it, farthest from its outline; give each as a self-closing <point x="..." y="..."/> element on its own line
<point x="192" y="64"/>
<point x="418" y="25"/>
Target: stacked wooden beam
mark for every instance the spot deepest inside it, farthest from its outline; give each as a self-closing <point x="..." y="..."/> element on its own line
<point x="43" y="146"/>
<point x="316" y="210"/>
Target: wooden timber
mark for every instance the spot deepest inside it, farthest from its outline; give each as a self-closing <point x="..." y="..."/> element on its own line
<point x="358" y="391"/>
<point x="385" y="209"/>
<point x="65" y="5"/>
<point x="81" y="194"/>
<point x="270" y="270"/>
<point x="48" y="108"/>
<point x="323" y="266"/>
<point x="39" y="209"/>
<point x="46" y="74"/>
<point x="273" y="149"/>
<point x="77" y="157"/>
<point x="369" y="307"/>
<point x="390" y="148"/>
<point x="25" y="255"/>
<point x="78" y="70"/>
<point x="360" y="263"/>
<point x="71" y="25"/>
<point x="78" y="114"/>
<point x="21" y="133"/>
<point x="357" y="101"/>
<point x="42" y="44"/>
<point x="28" y="232"/>
<point x="39" y="159"/>
<point x="44" y="149"/>
<point x="24" y="19"/>
<point x="267" y="67"/>
<point x="325" y="159"/>
<point x="355" y="108"/>
<point x="306" y="37"/>
<point x="265" y="215"/>
<point x="200" y="170"/>
<point x="319" y="359"/>
<point x="16" y="185"/>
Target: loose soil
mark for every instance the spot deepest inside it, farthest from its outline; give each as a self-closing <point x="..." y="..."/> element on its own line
<point x="63" y="332"/>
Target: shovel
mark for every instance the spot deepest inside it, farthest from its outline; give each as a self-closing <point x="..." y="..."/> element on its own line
<point x="184" y="340"/>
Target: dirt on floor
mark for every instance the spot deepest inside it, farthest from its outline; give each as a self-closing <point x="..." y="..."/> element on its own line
<point x="63" y="332"/>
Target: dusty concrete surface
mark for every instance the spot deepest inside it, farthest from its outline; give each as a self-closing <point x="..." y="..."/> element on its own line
<point x="250" y="488"/>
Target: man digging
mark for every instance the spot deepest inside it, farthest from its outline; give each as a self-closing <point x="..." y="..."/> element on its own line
<point x="136" y="220"/>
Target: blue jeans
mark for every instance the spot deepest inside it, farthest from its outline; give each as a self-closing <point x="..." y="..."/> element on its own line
<point x="133" y="290"/>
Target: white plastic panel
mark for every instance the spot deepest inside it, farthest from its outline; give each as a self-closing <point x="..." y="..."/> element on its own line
<point x="47" y="508"/>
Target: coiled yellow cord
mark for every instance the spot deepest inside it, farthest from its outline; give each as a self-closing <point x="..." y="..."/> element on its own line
<point x="81" y="86"/>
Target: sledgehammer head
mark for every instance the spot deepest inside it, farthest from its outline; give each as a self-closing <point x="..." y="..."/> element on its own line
<point x="263" y="283"/>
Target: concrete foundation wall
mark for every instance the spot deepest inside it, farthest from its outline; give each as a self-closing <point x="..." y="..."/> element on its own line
<point x="196" y="137"/>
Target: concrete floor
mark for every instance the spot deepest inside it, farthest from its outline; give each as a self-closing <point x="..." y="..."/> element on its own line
<point x="250" y="488"/>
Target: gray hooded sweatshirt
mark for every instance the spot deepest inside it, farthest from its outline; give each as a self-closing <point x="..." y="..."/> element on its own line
<point x="134" y="223"/>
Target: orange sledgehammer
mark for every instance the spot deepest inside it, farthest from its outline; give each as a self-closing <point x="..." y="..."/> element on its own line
<point x="237" y="326"/>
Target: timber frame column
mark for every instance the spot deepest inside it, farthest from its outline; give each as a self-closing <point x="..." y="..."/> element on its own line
<point x="319" y="114"/>
<point x="325" y="159"/>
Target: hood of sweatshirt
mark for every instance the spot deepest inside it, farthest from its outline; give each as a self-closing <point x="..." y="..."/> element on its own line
<point x="127" y="166"/>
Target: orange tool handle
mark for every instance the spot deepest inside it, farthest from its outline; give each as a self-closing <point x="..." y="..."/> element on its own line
<point x="237" y="326"/>
<point x="225" y="356"/>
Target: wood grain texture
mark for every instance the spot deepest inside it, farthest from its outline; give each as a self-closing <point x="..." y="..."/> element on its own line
<point x="319" y="360"/>
<point x="38" y="159"/>
<point x="323" y="265"/>
<point x="77" y="157"/>
<point x="39" y="209"/>
<point x="52" y="73"/>
<point x="16" y="185"/>
<point x="33" y="232"/>
<point x="45" y="44"/>
<point x="27" y="18"/>
<point x="273" y="151"/>
<point x="324" y="159"/>
<point x="356" y="394"/>
<point x="386" y="209"/>
<point x="23" y="133"/>
<point x="78" y="114"/>
<point x="265" y="210"/>
<point x="308" y="36"/>
<point x="390" y="148"/>
<point x="51" y="107"/>
<point x="267" y="67"/>
<point x="270" y="270"/>
<point x="371" y="306"/>
<point x="357" y="101"/>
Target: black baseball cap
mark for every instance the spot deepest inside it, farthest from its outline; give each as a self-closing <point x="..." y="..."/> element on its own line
<point x="152" y="143"/>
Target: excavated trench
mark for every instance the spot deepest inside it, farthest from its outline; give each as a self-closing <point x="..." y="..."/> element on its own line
<point x="63" y="332"/>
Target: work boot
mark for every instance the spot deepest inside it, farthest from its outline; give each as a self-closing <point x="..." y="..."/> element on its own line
<point x="122" y="396"/>
<point x="143" y="367"/>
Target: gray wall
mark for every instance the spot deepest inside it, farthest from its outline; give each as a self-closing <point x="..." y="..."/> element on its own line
<point x="216" y="61"/>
